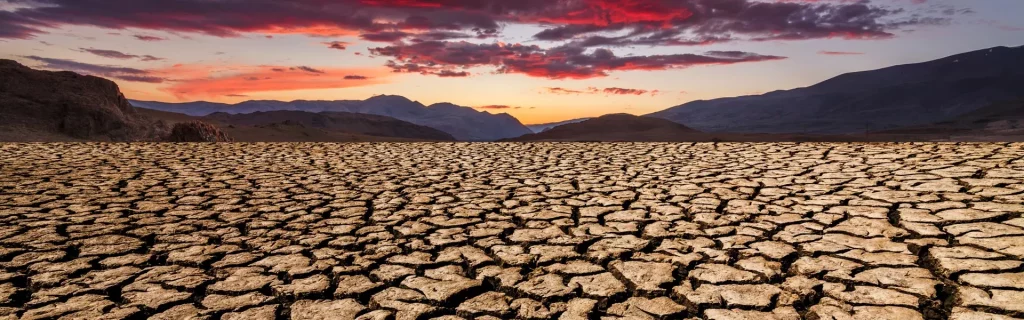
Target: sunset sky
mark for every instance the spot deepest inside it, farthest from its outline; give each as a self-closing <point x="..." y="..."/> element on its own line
<point x="538" y="60"/>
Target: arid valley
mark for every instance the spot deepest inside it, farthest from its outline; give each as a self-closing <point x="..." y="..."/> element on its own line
<point x="512" y="230"/>
<point x="511" y="159"/>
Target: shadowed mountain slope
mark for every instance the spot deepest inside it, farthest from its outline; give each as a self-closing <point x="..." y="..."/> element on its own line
<point x="889" y="98"/>
<point x="297" y="126"/>
<point x="345" y="122"/>
<point x="997" y="122"/>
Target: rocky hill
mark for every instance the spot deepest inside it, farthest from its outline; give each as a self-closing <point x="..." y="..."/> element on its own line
<point x="57" y="106"/>
<point x="197" y="131"/>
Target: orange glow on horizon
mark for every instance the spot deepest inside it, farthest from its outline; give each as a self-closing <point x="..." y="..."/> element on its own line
<point x="192" y="82"/>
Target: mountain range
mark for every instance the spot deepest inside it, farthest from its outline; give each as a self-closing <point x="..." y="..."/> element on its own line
<point x="463" y="123"/>
<point x="40" y="105"/>
<point x="967" y="97"/>
<point x="300" y="126"/>
<point x="899" y="96"/>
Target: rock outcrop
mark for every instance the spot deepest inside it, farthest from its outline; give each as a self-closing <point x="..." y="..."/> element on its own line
<point x="66" y="106"/>
<point x="196" y="131"/>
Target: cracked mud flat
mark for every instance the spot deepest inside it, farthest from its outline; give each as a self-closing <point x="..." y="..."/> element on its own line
<point x="525" y="231"/>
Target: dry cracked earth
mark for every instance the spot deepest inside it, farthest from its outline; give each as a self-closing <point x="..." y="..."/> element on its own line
<point x="511" y="231"/>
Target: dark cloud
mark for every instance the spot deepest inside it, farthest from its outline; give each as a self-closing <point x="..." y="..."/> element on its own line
<point x="440" y="35"/>
<point x="236" y="95"/>
<point x="570" y="31"/>
<point x="306" y="69"/>
<point x="567" y="62"/>
<point x="340" y="45"/>
<point x="17" y="26"/>
<point x="149" y="38"/>
<point x="424" y="34"/>
<point x="147" y="79"/>
<point x="121" y="73"/>
<point x="698" y="22"/>
<point x="497" y="107"/>
<point x="110" y="53"/>
<point x="654" y="22"/>
<point x="624" y="91"/>
<point x="119" y="55"/>
<point x="559" y="90"/>
<point x="356" y="77"/>
<point x="594" y="90"/>
<point x="387" y="36"/>
<point x="451" y="74"/>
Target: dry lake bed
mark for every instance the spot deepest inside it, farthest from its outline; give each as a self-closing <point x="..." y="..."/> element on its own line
<point x="512" y="231"/>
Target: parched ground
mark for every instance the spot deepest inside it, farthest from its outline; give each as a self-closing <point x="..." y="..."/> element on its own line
<point x="527" y="231"/>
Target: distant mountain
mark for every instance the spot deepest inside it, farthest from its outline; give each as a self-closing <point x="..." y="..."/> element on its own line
<point x="545" y="126"/>
<point x="463" y="123"/>
<point x="64" y="106"/>
<point x="889" y="98"/>
<point x="618" y="127"/>
<point x="299" y="126"/>
<point x="347" y="122"/>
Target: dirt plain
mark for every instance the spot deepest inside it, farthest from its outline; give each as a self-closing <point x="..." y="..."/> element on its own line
<point x="512" y="230"/>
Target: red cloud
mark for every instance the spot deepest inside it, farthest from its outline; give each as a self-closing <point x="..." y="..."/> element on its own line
<point x="624" y="91"/>
<point x="650" y="22"/>
<point x="613" y="12"/>
<point x="421" y="32"/>
<point x="436" y="57"/>
<point x="497" y="107"/>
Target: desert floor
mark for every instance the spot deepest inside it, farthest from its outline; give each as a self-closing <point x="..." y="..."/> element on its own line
<point x="527" y="231"/>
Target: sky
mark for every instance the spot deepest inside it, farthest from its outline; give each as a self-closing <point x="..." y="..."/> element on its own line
<point x="538" y="60"/>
